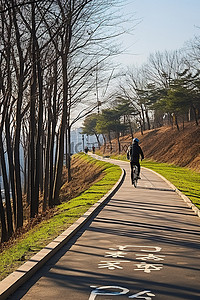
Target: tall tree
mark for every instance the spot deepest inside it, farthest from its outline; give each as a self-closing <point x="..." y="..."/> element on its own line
<point x="89" y="126"/>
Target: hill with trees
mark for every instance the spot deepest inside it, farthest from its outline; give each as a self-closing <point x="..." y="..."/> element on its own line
<point x="166" y="144"/>
<point x="160" y="103"/>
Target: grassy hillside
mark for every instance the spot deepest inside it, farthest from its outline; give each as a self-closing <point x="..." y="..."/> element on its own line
<point x="169" y="145"/>
<point x="174" y="154"/>
<point x="85" y="191"/>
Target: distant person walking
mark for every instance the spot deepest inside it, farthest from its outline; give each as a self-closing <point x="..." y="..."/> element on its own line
<point x="93" y="149"/>
<point x="134" y="154"/>
<point x="86" y="149"/>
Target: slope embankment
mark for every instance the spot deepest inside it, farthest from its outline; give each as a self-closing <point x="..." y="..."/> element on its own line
<point x="167" y="144"/>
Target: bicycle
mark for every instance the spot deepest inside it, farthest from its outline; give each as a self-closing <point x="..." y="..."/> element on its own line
<point x="135" y="176"/>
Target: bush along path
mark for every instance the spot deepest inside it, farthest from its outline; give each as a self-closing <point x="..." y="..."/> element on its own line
<point x="66" y="214"/>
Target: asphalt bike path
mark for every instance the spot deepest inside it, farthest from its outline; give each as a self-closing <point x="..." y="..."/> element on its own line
<point x="143" y="244"/>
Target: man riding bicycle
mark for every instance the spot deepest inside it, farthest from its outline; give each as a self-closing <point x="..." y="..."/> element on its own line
<point x="133" y="154"/>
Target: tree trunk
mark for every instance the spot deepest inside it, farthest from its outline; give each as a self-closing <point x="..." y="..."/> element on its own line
<point x="147" y="117"/>
<point x="34" y="199"/>
<point x="143" y="118"/>
<point x="6" y="189"/>
<point x="110" y="142"/>
<point x="18" y="173"/>
<point x="176" y="122"/>
<point x="52" y="164"/>
<point x="53" y="133"/>
<point x="119" y="145"/>
<point x="141" y="127"/>
<point x="59" y="167"/>
<point x="195" y="115"/>
<point x="28" y="196"/>
<point x="104" y="144"/>
<point x="98" y="141"/>
<point x="4" y="233"/>
<point x="59" y="164"/>
<point x="18" y="124"/>
<point x="69" y="154"/>
<point x="11" y="167"/>
<point x="66" y="146"/>
<point x="131" y="129"/>
<point x="39" y="145"/>
<point x="47" y="164"/>
<point x="25" y="175"/>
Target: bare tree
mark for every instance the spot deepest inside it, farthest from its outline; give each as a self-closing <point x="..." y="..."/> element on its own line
<point x="163" y="67"/>
<point x="48" y="56"/>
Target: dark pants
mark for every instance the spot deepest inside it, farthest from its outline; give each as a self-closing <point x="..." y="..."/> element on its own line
<point x="133" y="163"/>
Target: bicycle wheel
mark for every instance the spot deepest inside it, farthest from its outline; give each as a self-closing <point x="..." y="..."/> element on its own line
<point x="135" y="176"/>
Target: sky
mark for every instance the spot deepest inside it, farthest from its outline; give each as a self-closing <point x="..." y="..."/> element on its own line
<point x="160" y="25"/>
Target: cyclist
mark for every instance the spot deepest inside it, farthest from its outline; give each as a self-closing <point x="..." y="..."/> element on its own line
<point x="133" y="154"/>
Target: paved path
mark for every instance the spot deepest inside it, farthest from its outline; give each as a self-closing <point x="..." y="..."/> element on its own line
<point x="144" y="244"/>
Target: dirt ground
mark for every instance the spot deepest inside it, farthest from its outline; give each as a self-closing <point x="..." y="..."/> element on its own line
<point x="83" y="176"/>
<point x="167" y="144"/>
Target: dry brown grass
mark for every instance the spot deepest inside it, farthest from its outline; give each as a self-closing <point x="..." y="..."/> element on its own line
<point x="83" y="176"/>
<point x="169" y="145"/>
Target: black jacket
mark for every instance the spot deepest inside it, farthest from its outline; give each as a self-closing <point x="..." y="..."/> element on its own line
<point x="134" y="152"/>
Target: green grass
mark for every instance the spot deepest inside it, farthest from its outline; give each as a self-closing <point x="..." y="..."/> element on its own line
<point x="68" y="213"/>
<point x="186" y="180"/>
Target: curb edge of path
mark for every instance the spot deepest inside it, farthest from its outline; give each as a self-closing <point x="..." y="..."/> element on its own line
<point x="13" y="281"/>
<point x="184" y="197"/>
